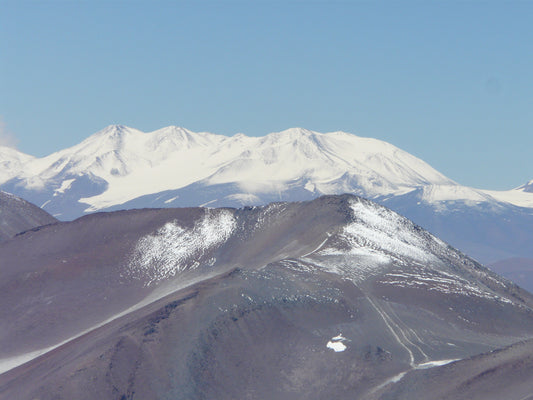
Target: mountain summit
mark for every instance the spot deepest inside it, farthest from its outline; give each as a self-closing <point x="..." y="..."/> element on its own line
<point x="528" y="187"/>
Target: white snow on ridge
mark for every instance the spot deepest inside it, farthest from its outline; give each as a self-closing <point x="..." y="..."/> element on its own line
<point x="380" y="230"/>
<point x="517" y="197"/>
<point x="435" y="194"/>
<point x="174" y="248"/>
<point x="12" y="163"/>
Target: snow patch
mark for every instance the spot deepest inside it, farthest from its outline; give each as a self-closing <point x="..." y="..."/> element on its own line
<point x="309" y="187"/>
<point x="171" y="200"/>
<point x="440" y="281"/>
<point x="65" y="185"/>
<point x="383" y="234"/>
<point x="437" y="363"/>
<point x="207" y="203"/>
<point x="174" y="248"/>
<point x="336" y="343"/>
<point x="518" y="197"/>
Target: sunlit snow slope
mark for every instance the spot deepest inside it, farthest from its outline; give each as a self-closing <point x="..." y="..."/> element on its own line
<point x="123" y="164"/>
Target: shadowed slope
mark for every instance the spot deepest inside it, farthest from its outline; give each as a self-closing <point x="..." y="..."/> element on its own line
<point x="17" y="215"/>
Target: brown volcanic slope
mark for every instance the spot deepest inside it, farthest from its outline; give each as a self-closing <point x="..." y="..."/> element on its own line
<point x="333" y="298"/>
<point x="18" y="215"/>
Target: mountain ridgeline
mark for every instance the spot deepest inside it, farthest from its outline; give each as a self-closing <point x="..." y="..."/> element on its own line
<point x="123" y="168"/>
<point x="17" y="215"/>
<point x="337" y="297"/>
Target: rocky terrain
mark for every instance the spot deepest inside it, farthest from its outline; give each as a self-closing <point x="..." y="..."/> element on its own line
<point x="17" y="215"/>
<point x="332" y="298"/>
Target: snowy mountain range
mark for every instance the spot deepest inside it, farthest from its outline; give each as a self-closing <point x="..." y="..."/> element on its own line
<point x="337" y="298"/>
<point x="121" y="167"/>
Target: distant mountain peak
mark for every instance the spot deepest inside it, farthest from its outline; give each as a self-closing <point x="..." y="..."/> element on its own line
<point x="297" y="131"/>
<point x="528" y="187"/>
<point x="12" y="162"/>
<point x="114" y="129"/>
<point x="295" y="134"/>
<point x="6" y="151"/>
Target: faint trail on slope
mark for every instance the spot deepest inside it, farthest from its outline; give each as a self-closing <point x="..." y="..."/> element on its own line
<point x="388" y="321"/>
<point x="406" y="331"/>
<point x="394" y="379"/>
<point x="319" y="246"/>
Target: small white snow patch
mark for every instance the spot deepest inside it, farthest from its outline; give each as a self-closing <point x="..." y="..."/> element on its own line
<point x="310" y="187"/>
<point x="209" y="202"/>
<point x="65" y="185"/>
<point x="437" y="363"/>
<point x="336" y="344"/>
<point x="171" y="200"/>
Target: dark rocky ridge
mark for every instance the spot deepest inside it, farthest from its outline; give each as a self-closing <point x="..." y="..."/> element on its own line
<point x="18" y="215"/>
<point x="250" y="315"/>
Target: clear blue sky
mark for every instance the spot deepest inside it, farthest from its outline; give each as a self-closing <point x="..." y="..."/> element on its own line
<point x="450" y="82"/>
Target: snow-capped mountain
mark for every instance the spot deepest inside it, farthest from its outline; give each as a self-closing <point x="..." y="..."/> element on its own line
<point x="123" y="164"/>
<point x="121" y="168"/>
<point x="528" y="187"/>
<point x="337" y="298"/>
<point x="11" y="163"/>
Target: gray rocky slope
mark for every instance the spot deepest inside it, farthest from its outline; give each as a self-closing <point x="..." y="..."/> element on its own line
<point x="333" y="298"/>
<point x="18" y="215"/>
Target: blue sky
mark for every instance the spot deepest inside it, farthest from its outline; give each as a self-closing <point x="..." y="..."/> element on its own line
<point x="450" y="82"/>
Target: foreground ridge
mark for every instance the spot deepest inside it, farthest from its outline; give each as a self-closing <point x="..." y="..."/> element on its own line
<point x="337" y="297"/>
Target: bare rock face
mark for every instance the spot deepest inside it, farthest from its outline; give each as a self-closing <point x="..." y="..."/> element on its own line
<point x="333" y="298"/>
<point x="18" y="215"/>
